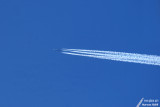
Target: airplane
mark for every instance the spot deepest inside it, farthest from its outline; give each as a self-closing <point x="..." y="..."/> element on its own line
<point x="57" y="50"/>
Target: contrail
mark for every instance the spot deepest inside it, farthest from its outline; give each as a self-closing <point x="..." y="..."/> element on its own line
<point x="118" y="56"/>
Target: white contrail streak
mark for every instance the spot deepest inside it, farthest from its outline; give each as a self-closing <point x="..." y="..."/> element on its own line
<point x="118" y="56"/>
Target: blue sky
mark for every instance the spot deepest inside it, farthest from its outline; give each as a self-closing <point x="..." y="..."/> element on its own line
<point x="33" y="75"/>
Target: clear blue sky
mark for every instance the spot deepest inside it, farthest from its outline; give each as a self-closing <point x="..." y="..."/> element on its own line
<point x="33" y="75"/>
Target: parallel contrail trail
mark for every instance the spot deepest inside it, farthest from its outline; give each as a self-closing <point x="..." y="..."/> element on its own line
<point x="118" y="56"/>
